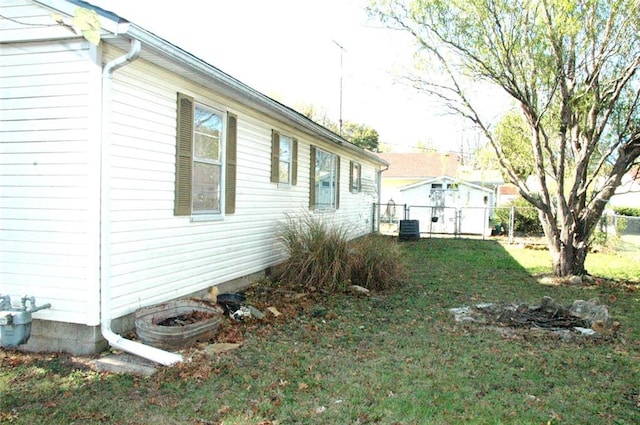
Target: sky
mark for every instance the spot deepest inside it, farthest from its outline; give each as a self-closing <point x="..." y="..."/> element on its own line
<point x="325" y="53"/>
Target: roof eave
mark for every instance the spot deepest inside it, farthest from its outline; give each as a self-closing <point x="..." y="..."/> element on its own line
<point x="250" y="96"/>
<point x="109" y="21"/>
<point x="120" y="27"/>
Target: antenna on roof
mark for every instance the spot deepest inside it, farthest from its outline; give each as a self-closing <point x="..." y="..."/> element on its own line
<point x="342" y="49"/>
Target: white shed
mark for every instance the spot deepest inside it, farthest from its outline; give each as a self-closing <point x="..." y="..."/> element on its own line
<point x="132" y="173"/>
<point x="447" y="205"/>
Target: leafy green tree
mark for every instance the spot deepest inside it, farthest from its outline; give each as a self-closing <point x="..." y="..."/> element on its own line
<point x="359" y="134"/>
<point x="571" y="67"/>
<point x="514" y="137"/>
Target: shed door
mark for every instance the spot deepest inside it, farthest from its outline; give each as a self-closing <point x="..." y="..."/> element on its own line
<point x="437" y="203"/>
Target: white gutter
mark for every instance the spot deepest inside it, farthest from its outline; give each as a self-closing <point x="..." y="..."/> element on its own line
<point x="116" y="341"/>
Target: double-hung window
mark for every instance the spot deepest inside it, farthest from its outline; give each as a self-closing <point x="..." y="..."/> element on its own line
<point x="325" y="180"/>
<point x="205" y="160"/>
<point x="355" y="177"/>
<point x="284" y="159"/>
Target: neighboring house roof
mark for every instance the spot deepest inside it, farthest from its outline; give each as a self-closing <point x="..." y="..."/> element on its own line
<point x="420" y="165"/>
<point x="167" y="55"/>
<point x="508" y="190"/>
<point x="633" y="175"/>
<point x="445" y="179"/>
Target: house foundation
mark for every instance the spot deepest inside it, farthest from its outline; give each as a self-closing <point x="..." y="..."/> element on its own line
<point x="82" y="340"/>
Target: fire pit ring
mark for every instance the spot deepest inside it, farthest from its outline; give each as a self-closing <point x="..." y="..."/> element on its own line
<point x="156" y="325"/>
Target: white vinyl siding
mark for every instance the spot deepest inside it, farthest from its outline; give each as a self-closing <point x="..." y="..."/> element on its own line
<point x="28" y="21"/>
<point x="48" y="236"/>
<point x="156" y="255"/>
<point x="356" y="209"/>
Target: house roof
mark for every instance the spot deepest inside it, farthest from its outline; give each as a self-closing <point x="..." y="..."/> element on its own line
<point x="167" y="55"/>
<point x="634" y="174"/>
<point x="508" y="190"/>
<point x="421" y="165"/>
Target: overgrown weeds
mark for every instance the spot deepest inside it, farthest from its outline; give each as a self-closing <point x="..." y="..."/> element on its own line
<point x="318" y="253"/>
<point x="376" y="263"/>
<point x="322" y="257"/>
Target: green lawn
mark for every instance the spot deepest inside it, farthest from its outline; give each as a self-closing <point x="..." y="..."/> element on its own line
<point x="391" y="358"/>
<point x="624" y="266"/>
<point x="630" y="245"/>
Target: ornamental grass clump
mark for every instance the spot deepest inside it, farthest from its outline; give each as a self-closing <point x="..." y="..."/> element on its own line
<point x="376" y="263"/>
<point x="318" y="253"/>
<point x="321" y="257"/>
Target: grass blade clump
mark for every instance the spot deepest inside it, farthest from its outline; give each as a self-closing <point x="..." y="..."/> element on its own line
<point x="318" y="253"/>
<point x="377" y="263"/>
<point x="321" y="257"/>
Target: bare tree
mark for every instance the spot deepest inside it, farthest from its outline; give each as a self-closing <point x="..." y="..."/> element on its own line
<point x="571" y="66"/>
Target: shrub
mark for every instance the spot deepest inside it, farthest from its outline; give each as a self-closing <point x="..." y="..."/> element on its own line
<point x="628" y="211"/>
<point x="318" y="253"/>
<point x="376" y="263"/>
<point x="526" y="218"/>
<point x="321" y="257"/>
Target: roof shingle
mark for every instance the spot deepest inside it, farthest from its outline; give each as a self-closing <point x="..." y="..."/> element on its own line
<point x="421" y="165"/>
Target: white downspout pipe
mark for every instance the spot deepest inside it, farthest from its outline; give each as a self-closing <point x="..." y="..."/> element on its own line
<point x="151" y="353"/>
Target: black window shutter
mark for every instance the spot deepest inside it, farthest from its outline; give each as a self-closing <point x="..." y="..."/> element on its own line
<point x="184" y="153"/>
<point x="312" y="179"/>
<point x="275" y="156"/>
<point x="231" y="164"/>
<point x="294" y="162"/>
<point x="337" y="182"/>
<point x="351" y="176"/>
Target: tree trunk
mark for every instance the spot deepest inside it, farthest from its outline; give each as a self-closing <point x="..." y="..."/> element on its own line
<point x="578" y="262"/>
<point x="568" y="260"/>
<point x="568" y="247"/>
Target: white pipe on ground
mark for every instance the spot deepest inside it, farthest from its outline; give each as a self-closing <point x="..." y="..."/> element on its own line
<point x="116" y="341"/>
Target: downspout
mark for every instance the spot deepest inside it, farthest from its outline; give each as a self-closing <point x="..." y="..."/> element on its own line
<point x="116" y="341"/>
<point x="377" y="210"/>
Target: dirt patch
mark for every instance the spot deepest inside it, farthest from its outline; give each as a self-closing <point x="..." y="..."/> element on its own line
<point x="523" y="316"/>
<point x="580" y="318"/>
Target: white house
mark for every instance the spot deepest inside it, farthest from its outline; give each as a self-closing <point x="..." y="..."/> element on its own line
<point x="132" y="173"/>
<point x="628" y="193"/>
<point x="447" y="205"/>
<point x="410" y="168"/>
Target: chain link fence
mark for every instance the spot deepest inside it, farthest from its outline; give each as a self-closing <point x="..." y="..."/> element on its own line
<point x="620" y="232"/>
<point x="518" y="225"/>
